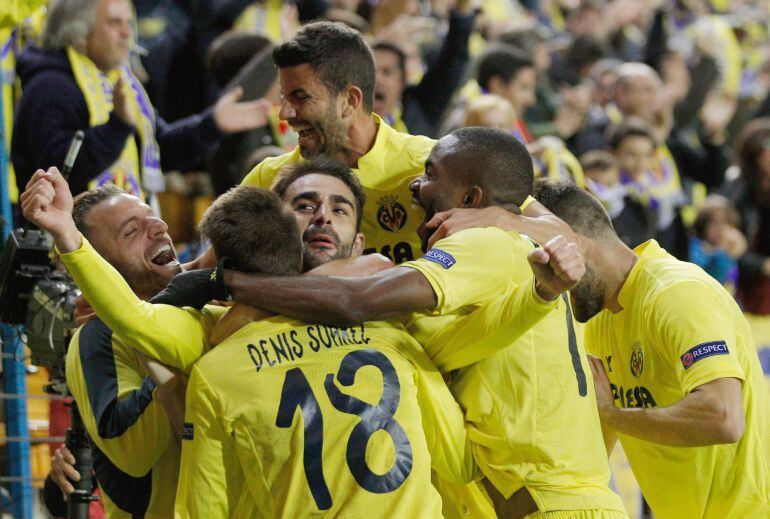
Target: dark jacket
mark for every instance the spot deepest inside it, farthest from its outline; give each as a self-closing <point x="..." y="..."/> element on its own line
<point x="753" y="285"/>
<point x="424" y="104"/>
<point x="52" y="109"/>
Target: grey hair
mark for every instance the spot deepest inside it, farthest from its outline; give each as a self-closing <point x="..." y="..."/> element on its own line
<point x="69" y="22"/>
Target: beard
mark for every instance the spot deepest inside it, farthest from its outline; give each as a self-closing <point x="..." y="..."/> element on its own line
<point x="314" y="258"/>
<point x="332" y="135"/>
<point x="145" y="284"/>
<point x="587" y="297"/>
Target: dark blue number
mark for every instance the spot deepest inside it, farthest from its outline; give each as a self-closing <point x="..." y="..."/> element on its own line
<point x="573" y="351"/>
<point x="297" y="392"/>
<point x="373" y="418"/>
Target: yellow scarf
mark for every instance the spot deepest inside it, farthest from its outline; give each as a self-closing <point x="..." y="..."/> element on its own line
<point x="263" y="17"/>
<point x="134" y="164"/>
<point x="8" y="39"/>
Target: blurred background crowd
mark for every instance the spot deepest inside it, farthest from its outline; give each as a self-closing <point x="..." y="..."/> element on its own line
<point x="658" y="107"/>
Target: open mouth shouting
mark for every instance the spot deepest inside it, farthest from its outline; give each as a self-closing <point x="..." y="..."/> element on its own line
<point x="163" y="255"/>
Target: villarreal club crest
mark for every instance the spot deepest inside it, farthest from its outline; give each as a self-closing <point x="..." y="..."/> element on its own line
<point x="391" y="215"/>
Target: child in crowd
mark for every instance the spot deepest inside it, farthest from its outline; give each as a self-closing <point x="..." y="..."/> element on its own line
<point x="633" y="221"/>
<point x="717" y="242"/>
<point x="650" y="180"/>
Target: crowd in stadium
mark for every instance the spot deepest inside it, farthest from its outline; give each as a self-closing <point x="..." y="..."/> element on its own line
<point x="453" y="251"/>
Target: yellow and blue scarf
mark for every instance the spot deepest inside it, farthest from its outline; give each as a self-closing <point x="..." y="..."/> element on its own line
<point x="138" y="168"/>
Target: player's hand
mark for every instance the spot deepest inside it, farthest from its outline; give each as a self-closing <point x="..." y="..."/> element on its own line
<point x="233" y="117"/>
<point x="195" y="288"/>
<point x="604" y="400"/>
<point x="63" y="470"/>
<point x="558" y="266"/>
<point x="453" y="221"/>
<point x="47" y="202"/>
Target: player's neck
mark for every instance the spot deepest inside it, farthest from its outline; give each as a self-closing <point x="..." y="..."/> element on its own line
<point x="238" y="316"/>
<point x="361" y="137"/>
<point x="615" y="263"/>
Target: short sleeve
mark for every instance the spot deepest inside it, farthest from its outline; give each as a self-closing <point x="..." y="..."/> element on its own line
<point x="692" y="326"/>
<point x="472" y="267"/>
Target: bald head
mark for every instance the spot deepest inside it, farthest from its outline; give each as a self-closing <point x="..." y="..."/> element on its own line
<point x="637" y="88"/>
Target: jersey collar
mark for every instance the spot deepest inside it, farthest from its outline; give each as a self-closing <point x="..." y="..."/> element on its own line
<point x="369" y="159"/>
<point x="647" y="252"/>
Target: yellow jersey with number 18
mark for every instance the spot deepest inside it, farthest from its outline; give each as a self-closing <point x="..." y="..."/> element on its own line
<point x="389" y="219"/>
<point x="679" y="329"/>
<point x="287" y="419"/>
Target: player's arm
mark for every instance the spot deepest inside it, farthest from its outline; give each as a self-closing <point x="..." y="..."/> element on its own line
<point x="202" y="489"/>
<point x="169" y="392"/>
<point x="117" y="403"/>
<point x="443" y="422"/>
<point x="558" y="267"/>
<point x="335" y="299"/>
<point x="535" y="221"/>
<point x="711" y="414"/>
<point x="712" y="410"/>
<point x="172" y="335"/>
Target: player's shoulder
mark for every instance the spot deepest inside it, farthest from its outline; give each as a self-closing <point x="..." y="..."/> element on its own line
<point x="414" y="148"/>
<point x="482" y="238"/>
<point x="262" y="174"/>
<point x="668" y="278"/>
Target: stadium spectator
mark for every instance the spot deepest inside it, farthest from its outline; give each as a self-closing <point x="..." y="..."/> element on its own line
<point x="634" y="221"/>
<point x="750" y="194"/>
<point x="717" y="242"/>
<point x="80" y="81"/>
<point x="417" y="109"/>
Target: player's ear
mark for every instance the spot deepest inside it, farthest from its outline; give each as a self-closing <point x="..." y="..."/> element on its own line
<point x="358" y="245"/>
<point x="473" y="197"/>
<point x="354" y="98"/>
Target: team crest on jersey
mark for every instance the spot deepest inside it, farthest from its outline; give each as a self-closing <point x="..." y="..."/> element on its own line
<point x="391" y="215"/>
<point x="637" y="359"/>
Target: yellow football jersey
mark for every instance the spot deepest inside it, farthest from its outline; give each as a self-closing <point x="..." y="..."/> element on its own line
<point x="135" y="456"/>
<point x="177" y="337"/>
<point x="530" y="408"/>
<point x="288" y="419"/>
<point x="389" y="220"/>
<point x="678" y="330"/>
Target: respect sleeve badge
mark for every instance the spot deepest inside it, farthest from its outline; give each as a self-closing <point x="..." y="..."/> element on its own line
<point x="701" y="351"/>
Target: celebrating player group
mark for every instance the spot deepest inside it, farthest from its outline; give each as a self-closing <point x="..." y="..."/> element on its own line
<point x="391" y="326"/>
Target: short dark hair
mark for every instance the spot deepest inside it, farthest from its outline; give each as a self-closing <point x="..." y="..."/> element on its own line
<point x="503" y="61"/>
<point x="629" y="127"/>
<point x="525" y="39"/>
<point x="230" y="51"/>
<point x="495" y="161"/>
<point x="751" y="142"/>
<point x="713" y="205"/>
<point x="389" y="46"/>
<point x="252" y="228"/>
<point x="580" y="209"/>
<point x="323" y="166"/>
<point x="83" y="203"/>
<point x="338" y="53"/>
<point x="598" y="160"/>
